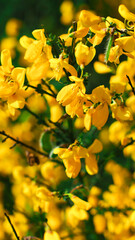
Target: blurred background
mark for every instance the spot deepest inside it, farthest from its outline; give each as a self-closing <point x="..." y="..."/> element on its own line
<point x="50" y="14"/>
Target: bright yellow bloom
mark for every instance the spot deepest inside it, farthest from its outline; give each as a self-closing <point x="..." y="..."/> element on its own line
<point x="51" y="235"/>
<point x="88" y="18"/>
<point x="12" y="27"/>
<point x="57" y="64"/>
<point x="71" y="158"/>
<point x="84" y="54"/>
<point x="119" y="25"/>
<point x="67" y="11"/>
<point x="126" y="43"/>
<point x="97" y="112"/>
<point x="34" y="48"/>
<point x="125" y="13"/>
<point x="43" y="194"/>
<point x="72" y="96"/>
<point x="121" y="113"/>
<point x="99" y="223"/>
<point x="101" y="68"/>
<point x="80" y="203"/>
<point x="12" y="80"/>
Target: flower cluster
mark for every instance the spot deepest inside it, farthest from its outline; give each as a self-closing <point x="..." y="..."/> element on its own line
<point x="67" y="142"/>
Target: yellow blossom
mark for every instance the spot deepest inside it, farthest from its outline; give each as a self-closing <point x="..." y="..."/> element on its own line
<point x="125" y="13"/>
<point x="84" y="54"/>
<point x="71" y="158"/>
<point x="57" y="64"/>
<point x="51" y="235"/>
<point x="80" y="203"/>
<point x="97" y="112"/>
<point x="72" y="96"/>
<point x="88" y="18"/>
<point x="12" y="80"/>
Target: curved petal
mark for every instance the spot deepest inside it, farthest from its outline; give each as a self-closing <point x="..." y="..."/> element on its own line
<point x="6" y="61"/>
<point x="87" y="121"/>
<point x="73" y="166"/>
<point x="95" y="147"/>
<point x="100" y="116"/>
<point x="18" y="74"/>
<point x="91" y="164"/>
<point x="39" y="34"/>
<point x="125" y="13"/>
<point x="70" y="69"/>
<point x="25" y="41"/>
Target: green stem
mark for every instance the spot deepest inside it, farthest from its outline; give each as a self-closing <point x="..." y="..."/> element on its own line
<point x="108" y="47"/>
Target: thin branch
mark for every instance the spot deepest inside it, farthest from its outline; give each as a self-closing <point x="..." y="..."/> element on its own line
<point x="40" y="90"/>
<point x="129" y="81"/>
<point x="23" y="144"/>
<point x="45" y="83"/>
<point x="41" y="121"/>
<point x="8" y="218"/>
<point x="56" y="124"/>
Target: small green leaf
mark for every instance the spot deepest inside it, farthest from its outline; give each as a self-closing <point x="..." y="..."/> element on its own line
<point x="45" y="142"/>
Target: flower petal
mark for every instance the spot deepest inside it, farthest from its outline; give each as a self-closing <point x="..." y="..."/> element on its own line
<point x="91" y="164"/>
<point x="6" y="61"/>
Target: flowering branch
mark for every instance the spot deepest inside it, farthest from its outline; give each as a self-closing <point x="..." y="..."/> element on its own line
<point x="21" y="143"/>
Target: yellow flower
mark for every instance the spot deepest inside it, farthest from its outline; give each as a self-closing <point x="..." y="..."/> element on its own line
<point x="84" y="54"/>
<point x="90" y="160"/>
<point x="121" y="113"/>
<point x="99" y="223"/>
<point x="80" y="203"/>
<point x="72" y="96"/>
<point x="71" y="158"/>
<point x="34" y="48"/>
<point x="126" y="43"/>
<point x="12" y="80"/>
<point x="67" y="11"/>
<point x="125" y="13"/>
<point x="12" y="27"/>
<point x="88" y="18"/>
<point x="57" y="64"/>
<point x="51" y="235"/>
<point x="120" y="25"/>
<point x="44" y="194"/>
<point x="97" y="114"/>
<point x="38" y="70"/>
<point x="101" y="68"/>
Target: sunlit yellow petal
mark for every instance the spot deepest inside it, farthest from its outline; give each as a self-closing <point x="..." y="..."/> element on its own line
<point x="73" y="166"/>
<point x="96" y="147"/>
<point x="100" y="116"/>
<point x="125" y="13"/>
<point x="101" y="68"/>
<point x="91" y="164"/>
<point x="33" y="51"/>
<point x="51" y="235"/>
<point x="25" y="41"/>
<point x="39" y="34"/>
<point x="126" y="43"/>
<point x="18" y="74"/>
<point x="80" y="203"/>
<point x="87" y="121"/>
<point x="6" y="61"/>
<point x="88" y="18"/>
<point x="70" y="69"/>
